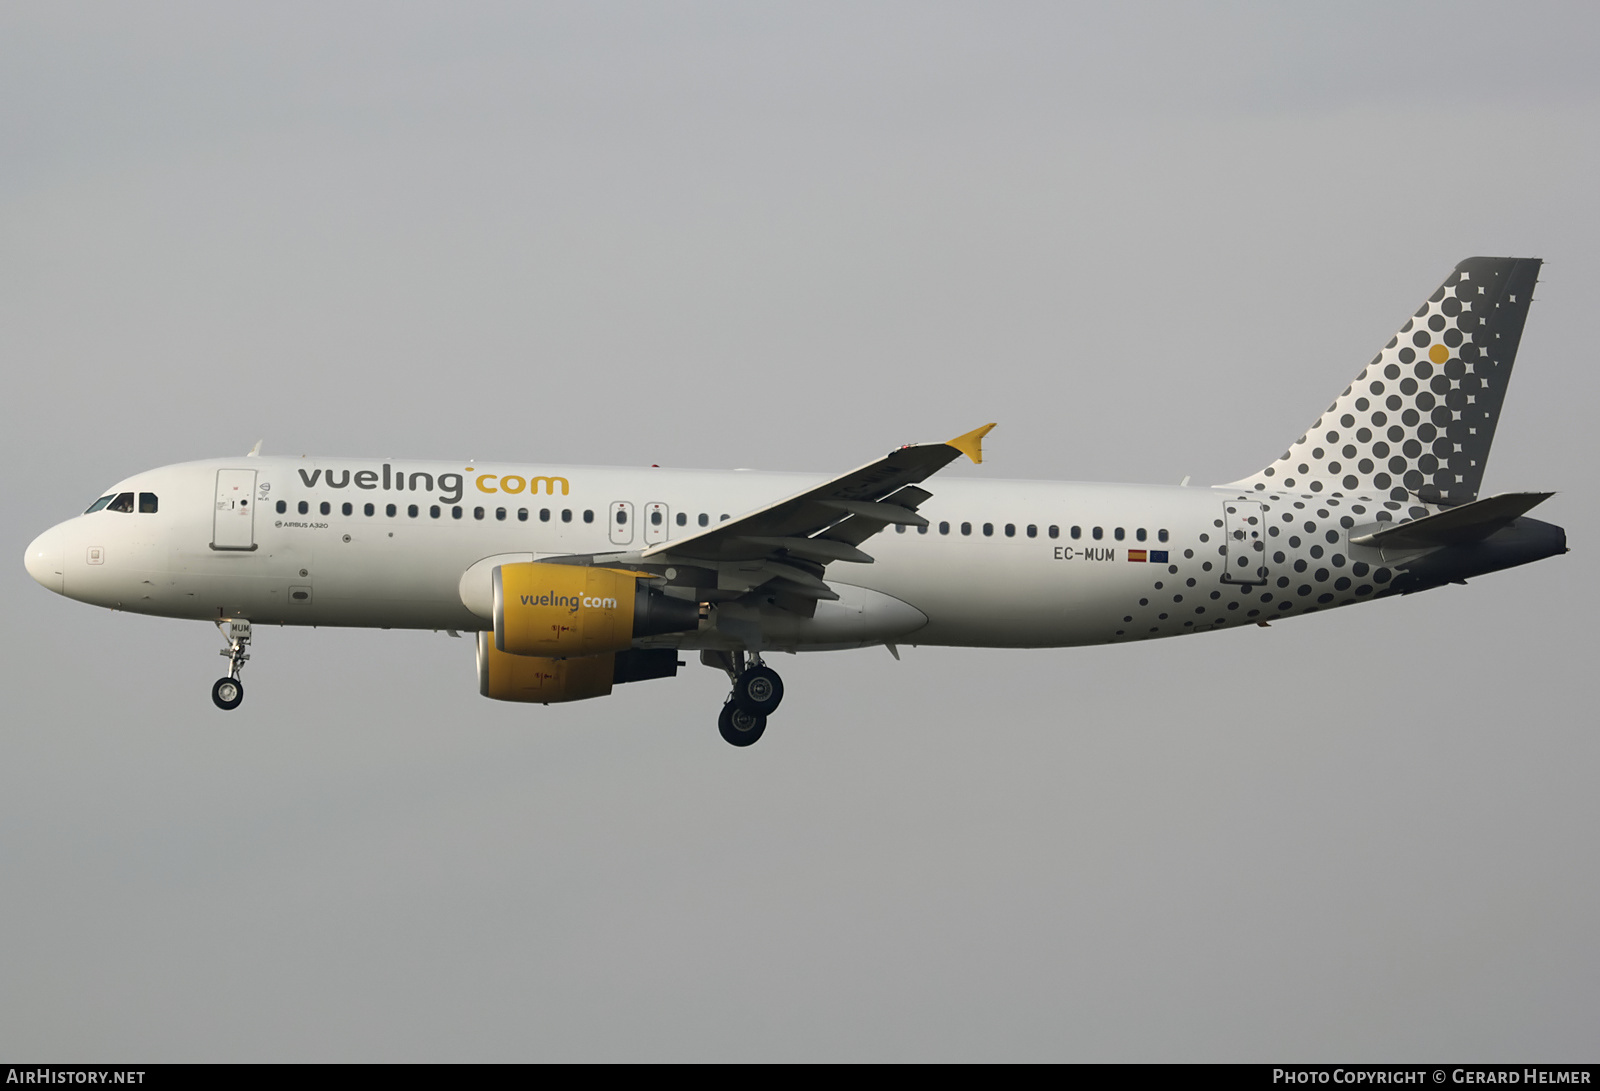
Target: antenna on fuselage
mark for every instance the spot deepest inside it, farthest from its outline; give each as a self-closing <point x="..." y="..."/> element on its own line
<point x="256" y="450"/>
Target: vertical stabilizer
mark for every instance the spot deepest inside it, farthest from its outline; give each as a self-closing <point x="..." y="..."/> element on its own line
<point x="1417" y="423"/>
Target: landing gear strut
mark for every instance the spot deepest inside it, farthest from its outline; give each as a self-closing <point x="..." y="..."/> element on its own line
<point x="228" y="692"/>
<point x="757" y="692"/>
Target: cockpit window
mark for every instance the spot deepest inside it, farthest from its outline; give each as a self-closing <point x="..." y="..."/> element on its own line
<point x="100" y="503"/>
<point x="123" y="502"/>
<point x="148" y="503"/>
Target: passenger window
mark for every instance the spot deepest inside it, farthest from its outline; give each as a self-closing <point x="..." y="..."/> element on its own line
<point x="433" y="512"/>
<point x="966" y="528"/>
<point x="655" y="518"/>
<point x="1139" y="534"/>
<point x="899" y="528"/>
<point x="1098" y="534"/>
<point x="348" y="508"/>
<point x="124" y="503"/>
<point x="988" y="530"/>
<point x="1055" y="531"/>
<point x="500" y="514"/>
<point x="944" y="528"/>
<point x="622" y="517"/>
<point x="522" y="515"/>
<point x="705" y="520"/>
<point x="1077" y="532"/>
<point x="455" y="513"/>
<point x="390" y="510"/>
<point x="1033" y="531"/>
<point x="1118" y="534"/>
<point x="411" y="510"/>
<point x="923" y="529"/>
<point x="147" y="503"/>
<point x="724" y="518"/>
<point x="566" y="515"/>
<point x="1161" y="535"/>
<point x="326" y="508"/>
<point x="303" y="508"/>
<point x="588" y="517"/>
<point x="683" y="520"/>
<point x="370" y="510"/>
<point x="283" y="506"/>
<point x="99" y="504"/>
<point x="544" y="515"/>
<point x="1011" y="530"/>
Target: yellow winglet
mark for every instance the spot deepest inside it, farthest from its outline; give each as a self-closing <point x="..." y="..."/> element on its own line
<point x="971" y="444"/>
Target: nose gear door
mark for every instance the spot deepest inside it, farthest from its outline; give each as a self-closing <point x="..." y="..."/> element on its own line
<point x="233" y="522"/>
<point x="1246" y="527"/>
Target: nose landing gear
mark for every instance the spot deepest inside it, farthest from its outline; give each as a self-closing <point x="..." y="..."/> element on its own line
<point x="228" y="692"/>
<point x="757" y="692"/>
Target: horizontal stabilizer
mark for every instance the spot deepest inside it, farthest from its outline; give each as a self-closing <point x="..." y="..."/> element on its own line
<point x="1455" y="526"/>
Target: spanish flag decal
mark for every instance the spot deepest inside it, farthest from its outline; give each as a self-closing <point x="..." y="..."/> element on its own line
<point x="1136" y="555"/>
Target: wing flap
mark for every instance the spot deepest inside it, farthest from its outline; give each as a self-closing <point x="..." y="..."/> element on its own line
<point x="894" y="511"/>
<point x="821" y="550"/>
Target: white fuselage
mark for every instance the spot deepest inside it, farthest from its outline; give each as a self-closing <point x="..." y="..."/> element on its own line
<point x="1002" y="563"/>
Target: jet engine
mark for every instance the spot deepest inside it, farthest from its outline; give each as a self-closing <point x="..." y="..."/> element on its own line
<point x="563" y="611"/>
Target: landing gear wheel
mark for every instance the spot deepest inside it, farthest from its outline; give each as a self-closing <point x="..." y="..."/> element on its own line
<point x="227" y="693"/>
<point x="758" y="690"/>
<point x="739" y="727"/>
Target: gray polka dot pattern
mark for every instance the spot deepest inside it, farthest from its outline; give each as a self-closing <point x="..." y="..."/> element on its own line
<point x="1307" y="564"/>
<point x="1416" y="425"/>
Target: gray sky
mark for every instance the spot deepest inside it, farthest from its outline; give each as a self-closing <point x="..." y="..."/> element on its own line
<point x="1150" y="242"/>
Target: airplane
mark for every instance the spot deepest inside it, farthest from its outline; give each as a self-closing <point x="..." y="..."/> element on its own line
<point x="577" y="579"/>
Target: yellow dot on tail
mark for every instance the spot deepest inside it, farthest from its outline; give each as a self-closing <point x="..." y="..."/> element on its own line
<point x="1438" y="354"/>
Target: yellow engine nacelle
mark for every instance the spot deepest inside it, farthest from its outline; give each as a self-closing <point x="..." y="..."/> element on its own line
<point x="561" y="611"/>
<point x="507" y="677"/>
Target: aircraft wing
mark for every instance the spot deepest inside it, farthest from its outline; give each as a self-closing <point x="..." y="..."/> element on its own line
<point x="793" y="540"/>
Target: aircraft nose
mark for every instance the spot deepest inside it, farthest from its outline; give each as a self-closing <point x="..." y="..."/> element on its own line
<point x="46" y="558"/>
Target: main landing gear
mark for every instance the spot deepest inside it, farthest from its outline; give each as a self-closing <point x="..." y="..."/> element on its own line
<point x="757" y="692"/>
<point x="738" y="726"/>
<point x="228" y="692"/>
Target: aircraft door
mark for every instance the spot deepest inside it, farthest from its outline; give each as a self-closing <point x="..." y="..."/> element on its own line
<point x="655" y="523"/>
<point x="1246" y="528"/>
<point x="621" y="522"/>
<point x="233" y="522"/>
